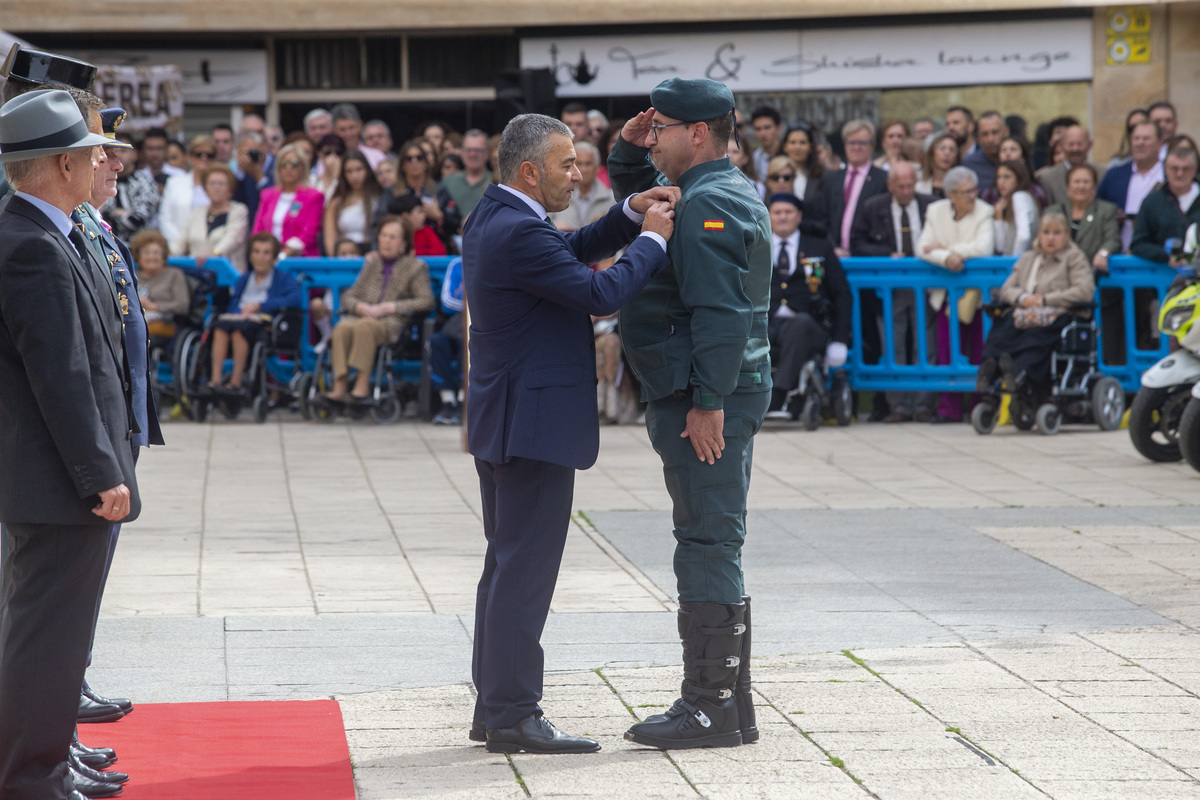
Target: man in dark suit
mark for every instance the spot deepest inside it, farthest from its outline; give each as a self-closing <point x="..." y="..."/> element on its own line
<point x="847" y="188"/>
<point x="531" y="406"/>
<point x="66" y="469"/>
<point x="810" y="301"/>
<point x="887" y="226"/>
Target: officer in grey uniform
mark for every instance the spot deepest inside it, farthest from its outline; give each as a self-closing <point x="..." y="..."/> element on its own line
<point x="697" y="339"/>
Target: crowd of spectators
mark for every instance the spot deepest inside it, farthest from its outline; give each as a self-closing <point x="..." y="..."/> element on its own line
<point x="945" y="191"/>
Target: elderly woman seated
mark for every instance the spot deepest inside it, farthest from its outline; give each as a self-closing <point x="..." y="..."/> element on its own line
<point x="261" y="293"/>
<point x="1044" y="283"/>
<point x="392" y="285"/>
<point x="162" y="290"/>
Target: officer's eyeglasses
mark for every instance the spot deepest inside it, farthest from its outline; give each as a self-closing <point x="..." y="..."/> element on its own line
<point x="654" y="129"/>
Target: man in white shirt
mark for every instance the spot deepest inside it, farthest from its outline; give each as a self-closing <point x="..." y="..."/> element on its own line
<point x="1127" y="185"/>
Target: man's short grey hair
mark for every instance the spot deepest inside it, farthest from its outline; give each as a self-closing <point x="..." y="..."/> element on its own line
<point x="855" y="125"/>
<point x="597" y="114"/>
<point x="378" y="123"/>
<point x="589" y="147"/>
<point x="31" y="173"/>
<point x="345" y="111"/>
<point x="250" y="136"/>
<point x="527" y="138"/>
<point x="315" y="115"/>
<point x="475" y="132"/>
<point x="959" y="178"/>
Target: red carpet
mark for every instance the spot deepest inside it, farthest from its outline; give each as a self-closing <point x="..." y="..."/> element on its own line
<point x="292" y="750"/>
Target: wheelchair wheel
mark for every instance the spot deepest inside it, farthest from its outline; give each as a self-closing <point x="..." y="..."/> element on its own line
<point x="1189" y="434"/>
<point x="304" y="391"/>
<point x="810" y="415"/>
<point x="983" y="418"/>
<point x="387" y="410"/>
<point x="843" y="401"/>
<point x="261" y="407"/>
<point x="1108" y="403"/>
<point x="1022" y="413"/>
<point x="1154" y="421"/>
<point x="1048" y="419"/>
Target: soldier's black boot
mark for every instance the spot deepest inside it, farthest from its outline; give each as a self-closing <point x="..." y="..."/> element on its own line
<point x="745" y="700"/>
<point x="707" y="713"/>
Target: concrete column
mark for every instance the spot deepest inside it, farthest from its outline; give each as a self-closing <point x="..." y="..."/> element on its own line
<point x="1117" y="89"/>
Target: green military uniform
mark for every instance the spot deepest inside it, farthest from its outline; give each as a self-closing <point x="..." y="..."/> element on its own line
<point x="697" y="337"/>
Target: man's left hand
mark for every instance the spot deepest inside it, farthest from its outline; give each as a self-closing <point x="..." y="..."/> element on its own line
<point x="704" y="429"/>
<point x="640" y="203"/>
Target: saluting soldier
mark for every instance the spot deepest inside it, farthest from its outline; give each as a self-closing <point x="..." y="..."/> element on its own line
<point x="810" y="301"/>
<point x="697" y="338"/>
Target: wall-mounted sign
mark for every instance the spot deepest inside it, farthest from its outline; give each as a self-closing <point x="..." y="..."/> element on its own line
<point x="1128" y="35"/>
<point x="798" y="60"/>
<point x="151" y="96"/>
<point x="232" y="77"/>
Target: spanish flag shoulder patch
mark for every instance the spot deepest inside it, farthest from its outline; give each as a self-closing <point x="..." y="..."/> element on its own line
<point x="714" y="224"/>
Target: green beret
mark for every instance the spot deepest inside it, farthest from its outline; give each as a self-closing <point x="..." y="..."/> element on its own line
<point x="692" y="101"/>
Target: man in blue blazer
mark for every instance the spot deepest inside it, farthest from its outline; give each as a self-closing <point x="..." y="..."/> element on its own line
<point x="532" y="418"/>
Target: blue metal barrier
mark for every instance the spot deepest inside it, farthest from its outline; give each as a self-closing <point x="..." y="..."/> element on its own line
<point x="885" y="275"/>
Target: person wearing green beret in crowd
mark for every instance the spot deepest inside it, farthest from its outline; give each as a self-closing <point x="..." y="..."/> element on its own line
<point x="696" y="337"/>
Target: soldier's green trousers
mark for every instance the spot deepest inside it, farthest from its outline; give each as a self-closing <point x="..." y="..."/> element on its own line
<point x="709" y="499"/>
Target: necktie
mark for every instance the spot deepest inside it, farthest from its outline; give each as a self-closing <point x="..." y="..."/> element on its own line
<point x="906" y="245"/>
<point x="76" y="237"/>
<point x="782" y="265"/>
<point x="850" y="179"/>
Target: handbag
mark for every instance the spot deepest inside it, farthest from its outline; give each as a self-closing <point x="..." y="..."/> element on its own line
<point x="1036" y="317"/>
<point x="968" y="304"/>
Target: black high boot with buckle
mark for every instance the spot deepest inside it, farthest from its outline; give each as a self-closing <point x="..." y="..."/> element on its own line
<point x="745" y="700"/>
<point x="707" y="713"/>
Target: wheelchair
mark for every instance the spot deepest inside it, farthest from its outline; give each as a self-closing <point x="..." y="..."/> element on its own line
<point x="1077" y="391"/>
<point x="272" y="367"/>
<point x="820" y="396"/>
<point x="166" y="382"/>
<point x="396" y="378"/>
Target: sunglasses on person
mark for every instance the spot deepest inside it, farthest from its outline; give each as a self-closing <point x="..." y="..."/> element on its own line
<point x="291" y="165"/>
<point x="203" y="154"/>
<point x="783" y="176"/>
<point x="328" y="153"/>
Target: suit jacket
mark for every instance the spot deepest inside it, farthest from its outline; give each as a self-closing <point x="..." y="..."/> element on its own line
<point x="533" y="362"/>
<point x="65" y="415"/>
<point x="408" y="287"/>
<point x="1115" y="184"/>
<point x="1062" y="279"/>
<point x="1098" y="229"/>
<point x="228" y="241"/>
<point x="303" y="220"/>
<point x="833" y="184"/>
<point x="824" y="294"/>
<point x="874" y="233"/>
<point x="1160" y="219"/>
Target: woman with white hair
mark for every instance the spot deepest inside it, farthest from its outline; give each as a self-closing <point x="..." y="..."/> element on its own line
<point x="956" y="229"/>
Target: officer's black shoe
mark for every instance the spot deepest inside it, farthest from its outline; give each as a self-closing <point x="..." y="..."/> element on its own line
<point x="707" y="713"/>
<point x="535" y="734"/>
<point x="123" y="703"/>
<point x="742" y="693"/>
<point x="477" y="733"/>
<point x="95" y="774"/>
<point x="94" y="789"/>
<point x="94" y="757"/>
<point x="91" y="711"/>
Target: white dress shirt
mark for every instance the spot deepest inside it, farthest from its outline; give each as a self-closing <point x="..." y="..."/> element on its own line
<point x="914" y="223"/>
<point x="1140" y="185"/>
<point x="793" y="252"/>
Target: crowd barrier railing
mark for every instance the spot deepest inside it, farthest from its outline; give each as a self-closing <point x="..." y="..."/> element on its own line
<point x="1137" y="284"/>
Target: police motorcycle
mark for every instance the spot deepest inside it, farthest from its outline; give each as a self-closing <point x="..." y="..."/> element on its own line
<point x="1156" y="416"/>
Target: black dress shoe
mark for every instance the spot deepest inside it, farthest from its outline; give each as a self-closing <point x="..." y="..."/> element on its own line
<point x="75" y="796"/>
<point x="94" y="757"/>
<point x="477" y="734"/>
<point x="95" y="774"/>
<point x="535" y="734"/>
<point x="94" y="789"/>
<point x="123" y="703"/>
<point x="91" y="711"/>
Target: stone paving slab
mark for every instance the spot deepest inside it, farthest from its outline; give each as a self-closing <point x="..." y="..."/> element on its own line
<point x="937" y="614"/>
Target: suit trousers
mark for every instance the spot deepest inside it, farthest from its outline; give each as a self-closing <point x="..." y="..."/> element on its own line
<point x="708" y="500"/>
<point x="51" y="579"/>
<point x="904" y="349"/>
<point x="794" y="341"/>
<point x="526" y="513"/>
<point x="355" y="341"/>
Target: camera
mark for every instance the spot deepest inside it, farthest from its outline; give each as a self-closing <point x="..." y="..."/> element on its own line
<point x="255" y="155"/>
